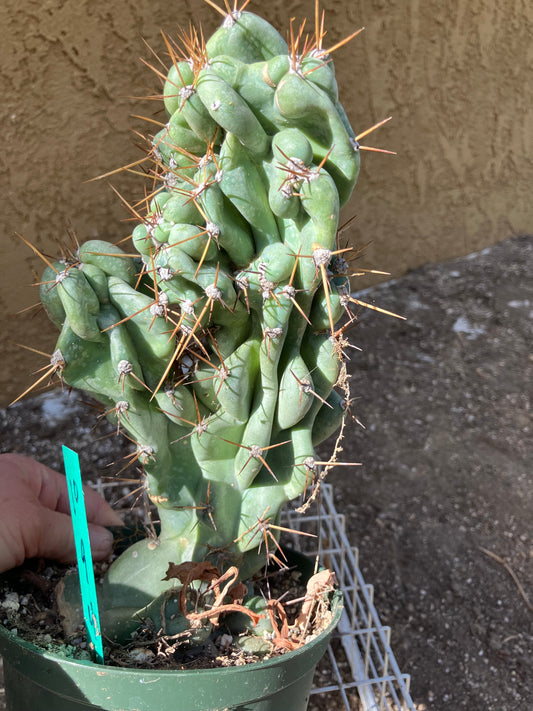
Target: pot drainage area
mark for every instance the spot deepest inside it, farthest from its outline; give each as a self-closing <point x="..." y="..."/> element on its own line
<point x="440" y="510"/>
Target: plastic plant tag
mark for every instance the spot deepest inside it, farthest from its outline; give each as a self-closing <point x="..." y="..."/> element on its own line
<point x="83" y="552"/>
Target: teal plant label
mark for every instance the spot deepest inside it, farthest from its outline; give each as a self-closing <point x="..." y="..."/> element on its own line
<point x="83" y="552"/>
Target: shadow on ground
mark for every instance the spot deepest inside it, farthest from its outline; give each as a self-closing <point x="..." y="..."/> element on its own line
<point x="441" y="509"/>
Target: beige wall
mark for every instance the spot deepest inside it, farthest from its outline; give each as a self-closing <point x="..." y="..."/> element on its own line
<point x="452" y="73"/>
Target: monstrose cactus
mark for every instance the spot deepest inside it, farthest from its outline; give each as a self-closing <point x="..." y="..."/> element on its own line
<point x="215" y="347"/>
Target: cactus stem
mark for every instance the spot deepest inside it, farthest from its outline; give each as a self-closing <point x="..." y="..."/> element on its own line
<point x="223" y="371"/>
<point x="289" y="292"/>
<point x="179" y="149"/>
<point x="196" y="188"/>
<point x="151" y="220"/>
<point x="220" y="371"/>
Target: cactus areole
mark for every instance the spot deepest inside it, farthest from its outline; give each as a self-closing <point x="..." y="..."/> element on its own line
<point x="213" y="343"/>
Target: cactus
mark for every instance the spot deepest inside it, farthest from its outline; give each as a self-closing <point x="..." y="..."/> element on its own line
<point x="215" y="346"/>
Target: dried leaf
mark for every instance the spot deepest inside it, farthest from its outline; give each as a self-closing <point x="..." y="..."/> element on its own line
<point x="189" y="570"/>
<point x="318" y="584"/>
<point x="237" y="592"/>
<point x="281" y="636"/>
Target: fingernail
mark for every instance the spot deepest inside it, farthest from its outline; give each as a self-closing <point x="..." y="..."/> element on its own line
<point x="101" y="540"/>
<point x="115" y="519"/>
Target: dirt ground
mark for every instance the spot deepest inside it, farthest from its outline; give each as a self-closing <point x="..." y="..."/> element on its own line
<point x="441" y="509"/>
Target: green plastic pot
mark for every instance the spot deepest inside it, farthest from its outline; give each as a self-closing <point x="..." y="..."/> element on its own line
<point x="36" y="680"/>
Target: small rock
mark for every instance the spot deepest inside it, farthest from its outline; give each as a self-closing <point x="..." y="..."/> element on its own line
<point x="224" y="642"/>
<point x="141" y="655"/>
<point x="11" y="602"/>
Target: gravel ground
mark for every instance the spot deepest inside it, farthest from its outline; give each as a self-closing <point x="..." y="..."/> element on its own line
<point x="441" y="508"/>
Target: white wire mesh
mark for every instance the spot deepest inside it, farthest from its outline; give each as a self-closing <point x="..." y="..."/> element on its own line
<point x="360" y="658"/>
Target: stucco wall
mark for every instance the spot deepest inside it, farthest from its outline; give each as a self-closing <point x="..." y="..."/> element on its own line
<point x="452" y="73"/>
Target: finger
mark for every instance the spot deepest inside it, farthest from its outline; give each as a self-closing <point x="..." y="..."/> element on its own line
<point x="38" y="480"/>
<point x="98" y="510"/>
<point x="51" y="536"/>
<point x="52" y="491"/>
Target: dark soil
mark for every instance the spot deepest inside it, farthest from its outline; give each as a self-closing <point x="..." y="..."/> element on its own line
<point x="441" y="509"/>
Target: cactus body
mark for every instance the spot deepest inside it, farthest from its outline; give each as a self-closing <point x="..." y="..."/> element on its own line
<point x="214" y="346"/>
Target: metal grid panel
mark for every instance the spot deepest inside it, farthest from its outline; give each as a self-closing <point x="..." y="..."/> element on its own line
<point x="359" y="656"/>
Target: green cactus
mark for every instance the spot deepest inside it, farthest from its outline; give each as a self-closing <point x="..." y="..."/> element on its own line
<point x="215" y="347"/>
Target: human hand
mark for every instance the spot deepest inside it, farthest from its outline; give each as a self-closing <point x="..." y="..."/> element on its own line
<point x="35" y="515"/>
